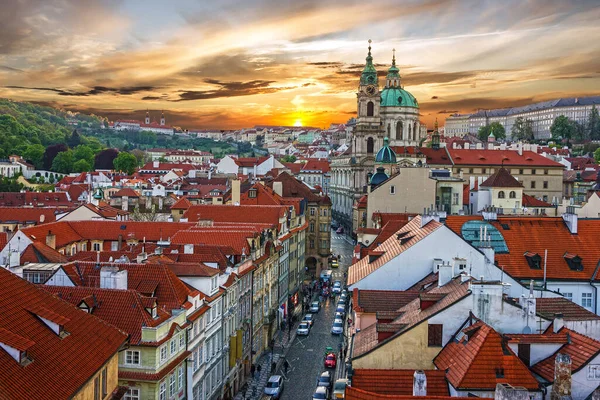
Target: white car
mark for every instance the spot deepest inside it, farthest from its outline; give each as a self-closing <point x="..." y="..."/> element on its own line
<point x="309" y="318"/>
<point x="303" y="329"/>
<point x="338" y="327"/>
<point x="337" y="287"/>
<point x="314" y="307"/>
<point x="321" y="393"/>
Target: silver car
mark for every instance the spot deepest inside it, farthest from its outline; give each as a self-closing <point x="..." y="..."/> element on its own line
<point x="274" y="386"/>
<point x="303" y="329"/>
<point x="309" y="318"/>
<point x="314" y="307"/>
<point x="321" y="393"/>
<point x="338" y="327"/>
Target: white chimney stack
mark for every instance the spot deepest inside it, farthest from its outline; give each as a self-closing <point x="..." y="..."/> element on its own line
<point x="419" y="383"/>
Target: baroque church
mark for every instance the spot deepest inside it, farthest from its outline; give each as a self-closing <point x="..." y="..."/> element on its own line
<point x="387" y="112"/>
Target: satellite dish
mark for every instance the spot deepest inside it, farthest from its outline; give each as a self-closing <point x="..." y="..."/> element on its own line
<point x="527" y="330"/>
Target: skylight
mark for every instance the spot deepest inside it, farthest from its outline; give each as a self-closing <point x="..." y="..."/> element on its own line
<point x="472" y="232"/>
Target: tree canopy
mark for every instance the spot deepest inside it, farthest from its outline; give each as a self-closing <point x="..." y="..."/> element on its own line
<point x="522" y="129"/>
<point x="562" y="128"/>
<point x="105" y="158"/>
<point x="125" y="162"/>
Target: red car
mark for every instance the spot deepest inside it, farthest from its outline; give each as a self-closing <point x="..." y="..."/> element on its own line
<point x="330" y="360"/>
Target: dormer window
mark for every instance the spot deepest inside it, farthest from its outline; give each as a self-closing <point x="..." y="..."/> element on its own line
<point x="534" y="260"/>
<point x="16" y="346"/>
<point x="252" y="193"/>
<point x="574" y="261"/>
<point x="52" y="320"/>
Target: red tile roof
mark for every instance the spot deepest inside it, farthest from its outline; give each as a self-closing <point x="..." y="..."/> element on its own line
<point x="398" y="381"/>
<point x="38" y="252"/>
<point x="35" y="199"/>
<point x="60" y="366"/>
<point x="316" y="164"/>
<point x="372" y="301"/>
<point x="530" y="201"/>
<point x="533" y="338"/>
<point x="237" y="240"/>
<point x="549" y="307"/>
<point x="501" y="178"/>
<point x="392" y="247"/>
<point x="249" y="161"/>
<point x="128" y="192"/>
<point x="27" y="215"/>
<point x="181" y="204"/>
<point x="580" y="348"/>
<point x="353" y="393"/>
<point x="433" y="156"/>
<point x="478" y="360"/>
<point x="535" y="235"/>
<point x="295" y="168"/>
<point x="241" y="213"/>
<point x="500" y="157"/>
<point x="293" y="187"/>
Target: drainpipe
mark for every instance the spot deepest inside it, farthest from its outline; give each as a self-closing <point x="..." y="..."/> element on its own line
<point x="595" y="287"/>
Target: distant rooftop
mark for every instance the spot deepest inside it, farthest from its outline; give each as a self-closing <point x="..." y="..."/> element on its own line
<point x="562" y="102"/>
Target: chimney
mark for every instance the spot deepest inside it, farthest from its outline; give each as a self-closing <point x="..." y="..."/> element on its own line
<point x="428" y="216"/>
<point x="505" y="391"/>
<point x="490" y="214"/>
<point x="14" y="258"/>
<point x="570" y="219"/>
<point x="120" y="241"/>
<point x="188" y="249"/>
<point x="235" y="192"/>
<point x="446" y="273"/>
<point x="487" y="299"/>
<point x="520" y="148"/>
<point x="278" y="188"/>
<point x="561" y="389"/>
<point x="419" y="383"/>
<point x="51" y="240"/>
<point x="142" y="257"/>
<point x="155" y="164"/>
<point x="558" y="322"/>
<point x="464" y="277"/>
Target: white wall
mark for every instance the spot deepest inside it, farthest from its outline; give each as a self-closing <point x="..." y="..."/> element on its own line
<point x="227" y="166"/>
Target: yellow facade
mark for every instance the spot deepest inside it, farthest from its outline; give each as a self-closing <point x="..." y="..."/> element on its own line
<point x="112" y="380"/>
<point x="407" y="351"/>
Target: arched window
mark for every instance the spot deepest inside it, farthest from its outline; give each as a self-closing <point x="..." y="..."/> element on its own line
<point x="410" y="132"/>
<point x="501" y="194"/>
<point x="370" y="145"/>
<point x="388" y="130"/>
<point x="399" y="130"/>
<point x="370" y="109"/>
<point x="415" y="132"/>
<point x="512" y="194"/>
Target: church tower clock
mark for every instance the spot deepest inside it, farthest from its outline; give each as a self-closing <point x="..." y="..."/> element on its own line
<point x="368" y="126"/>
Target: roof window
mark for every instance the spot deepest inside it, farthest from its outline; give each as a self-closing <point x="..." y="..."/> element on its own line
<point x="51" y="319"/>
<point x="534" y="260"/>
<point x="574" y="261"/>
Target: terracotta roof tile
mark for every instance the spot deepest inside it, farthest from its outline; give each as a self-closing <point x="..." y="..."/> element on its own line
<point x="501" y="178"/>
<point x="530" y="201"/>
<point x="371" y="301"/>
<point x="581" y="349"/>
<point x="549" y="307"/>
<point x="126" y="192"/>
<point x="60" y="366"/>
<point x="398" y="381"/>
<point x="231" y="213"/>
<point x="353" y="393"/>
<point x="478" y="360"/>
<point x="500" y="157"/>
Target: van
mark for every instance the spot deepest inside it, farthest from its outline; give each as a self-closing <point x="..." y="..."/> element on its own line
<point x="326" y="275"/>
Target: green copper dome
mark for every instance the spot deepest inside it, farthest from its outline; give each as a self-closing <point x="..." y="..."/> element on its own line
<point x="369" y="74"/>
<point x="396" y="97"/>
<point x="385" y="155"/>
<point x="393" y="72"/>
<point x="379" y="177"/>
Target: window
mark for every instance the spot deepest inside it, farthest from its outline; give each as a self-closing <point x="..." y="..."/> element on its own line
<point x="312" y="211"/>
<point x="533" y="172"/>
<point x="370" y="145"/>
<point x="96" y="246"/>
<point x="97" y="388"/>
<point x="324" y="212"/>
<point x="521" y="172"/>
<point x="132" y="394"/>
<point x="568" y="296"/>
<point x="534" y="260"/>
<point x="252" y="193"/>
<point x="324" y="228"/>
<point x="501" y="194"/>
<point x="586" y="300"/>
<point x="533" y="184"/>
<point x="173" y="344"/>
<point x="180" y="379"/>
<point x="512" y="194"/>
<point x="163" y="354"/>
<point x="545" y="172"/>
<point x="312" y="227"/>
<point x="162" y="392"/>
<point x="454" y="199"/>
<point x="311" y="244"/>
<point x="470" y="170"/>
<point x="545" y="184"/>
<point x="392" y="189"/>
<point x="434" y="335"/>
<point x="114" y="246"/>
<point x="324" y="244"/>
<point x="104" y="383"/>
<point x="483" y="170"/>
<point x="132" y="357"/>
<point x="172" y="385"/>
<point x="370" y="109"/>
<point x="545" y="198"/>
<point x="182" y="341"/>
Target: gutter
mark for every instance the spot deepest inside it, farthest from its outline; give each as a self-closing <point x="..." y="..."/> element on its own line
<point x="595" y="287"/>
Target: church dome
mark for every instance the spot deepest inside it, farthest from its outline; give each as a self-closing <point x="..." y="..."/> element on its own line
<point x="386" y="155"/>
<point x="379" y="177"/>
<point x="397" y="97"/>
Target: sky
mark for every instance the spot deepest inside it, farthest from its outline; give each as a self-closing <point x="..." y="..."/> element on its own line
<point x="230" y="64"/>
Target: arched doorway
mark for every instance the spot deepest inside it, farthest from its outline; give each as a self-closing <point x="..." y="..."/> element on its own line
<point x="370" y="145"/>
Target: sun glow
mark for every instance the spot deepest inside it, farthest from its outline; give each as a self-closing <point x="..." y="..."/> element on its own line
<point x="298" y="122"/>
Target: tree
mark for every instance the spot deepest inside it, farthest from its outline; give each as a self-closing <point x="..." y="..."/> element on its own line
<point x="597" y="155"/>
<point x="289" y="158"/>
<point x="82" y="166"/>
<point x="83" y="152"/>
<point x="35" y="155"/>
<point x="579" y="132"/>
<point x="125" y="162"/>
<point x="483" y="133"/>
<point x="74" y="140"/>
<point x="522" y="129"/>
<point x="51" y="152"/>
<point x="593" y="125"/>
<point x="63" y="162"/>
<point x="139" y="155"/>
<point x="104" y="159"/>
<point x="498" y="130"/>
<point x="562" y="128"/>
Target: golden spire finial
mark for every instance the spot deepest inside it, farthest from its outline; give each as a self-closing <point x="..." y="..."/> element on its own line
<point x="436" y="124"/>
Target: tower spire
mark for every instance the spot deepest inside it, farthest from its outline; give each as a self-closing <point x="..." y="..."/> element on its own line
<point x="369" y="74"/>
<point x="393" y="57"/>
<point x="369" y="47"/>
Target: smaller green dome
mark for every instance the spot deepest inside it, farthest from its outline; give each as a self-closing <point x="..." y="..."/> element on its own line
<point x="397" y="97"/>
<point x="379" y="177"/>
<point x="393" y="72"/>
<point x="386" y="155"/>
<point x="369" y="73"/>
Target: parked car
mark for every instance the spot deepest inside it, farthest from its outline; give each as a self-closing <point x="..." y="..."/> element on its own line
<point x="309" y="318"/>
<point x="315" y="307"/>
<point x="338" y="327"/>
<point x="321" y="393"/>
<point x="330" y="360"/>
<point x="339" y="389"/>
<point x="274" y="386"/>
<point x="343" y="296"/>
<point x="326" y="275"/>
<point x="339" y="230"/>
<point x="342" y="303"/>
<point x="335" y="264"/>
<point x="338" y="315"/>
<point x="337" y="287"/>
<point x="303" y="329"/>
<point x="340" y="309"/>
<point x="325" y="380"/>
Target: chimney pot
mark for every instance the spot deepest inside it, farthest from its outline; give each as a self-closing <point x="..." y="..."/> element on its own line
<point x="419" y="383"/>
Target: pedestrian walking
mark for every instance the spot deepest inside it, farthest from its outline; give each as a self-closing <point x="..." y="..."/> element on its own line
<point x="273" y="367"/>
<point x="258" y="369"/>
<point x="253" y="371"/>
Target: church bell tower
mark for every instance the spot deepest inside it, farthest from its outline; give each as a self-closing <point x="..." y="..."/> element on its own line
<point x="368" y="126"/>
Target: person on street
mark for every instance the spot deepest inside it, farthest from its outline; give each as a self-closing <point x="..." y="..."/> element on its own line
<point x="253" y="371"/>
<point x="258" y="370"/>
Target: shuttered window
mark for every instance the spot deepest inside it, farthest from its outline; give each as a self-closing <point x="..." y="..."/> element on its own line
<point x="435" y="332"/>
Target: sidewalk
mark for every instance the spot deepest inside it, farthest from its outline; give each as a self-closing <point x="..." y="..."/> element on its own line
<point x="255" y="387"/>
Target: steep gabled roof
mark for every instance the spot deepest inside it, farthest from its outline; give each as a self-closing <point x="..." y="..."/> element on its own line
<point x="501" y="179"/>
<point x="500" y="158"/>
<point x="549" y="307"/>
<point x="398" y="381"/>
<point x="371" y="301"/>
<point x="479" y="360"/>
<point x="59" y="366"/>
<point x="232" y="213"/>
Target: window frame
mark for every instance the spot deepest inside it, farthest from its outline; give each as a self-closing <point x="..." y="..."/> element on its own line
<point x="133" y="354"/>
<point x="435" y="335"/>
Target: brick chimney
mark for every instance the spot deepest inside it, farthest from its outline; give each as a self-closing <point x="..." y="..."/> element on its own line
<point x="561" y="389"/>
<point x="51" y="240"/>
<point x="419" y="383"/>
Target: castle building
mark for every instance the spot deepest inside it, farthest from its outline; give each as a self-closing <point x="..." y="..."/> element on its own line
<point x="390" y="112"/>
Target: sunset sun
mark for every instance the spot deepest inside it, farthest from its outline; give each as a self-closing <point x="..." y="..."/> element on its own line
<point x="298" y="122"/>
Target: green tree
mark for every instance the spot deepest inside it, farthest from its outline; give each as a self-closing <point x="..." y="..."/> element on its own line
<point x="593" y="125"/>
<point x="125" y="162"/>
<point x="597" y="155"/>
<point x="83" y="152"/>
<point x="522" y="129"/>
<point x="82" y="166"/>
<point x="63" y="162"/>
<point x="579" y="132"/>
<point x="483" y="133"/>
<point x="562" y="128"/>
<point x="74" y="140"/>
<point x="498" y="130"/>
<point x="289" y="158"/>
<point x="34" y="154"/>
